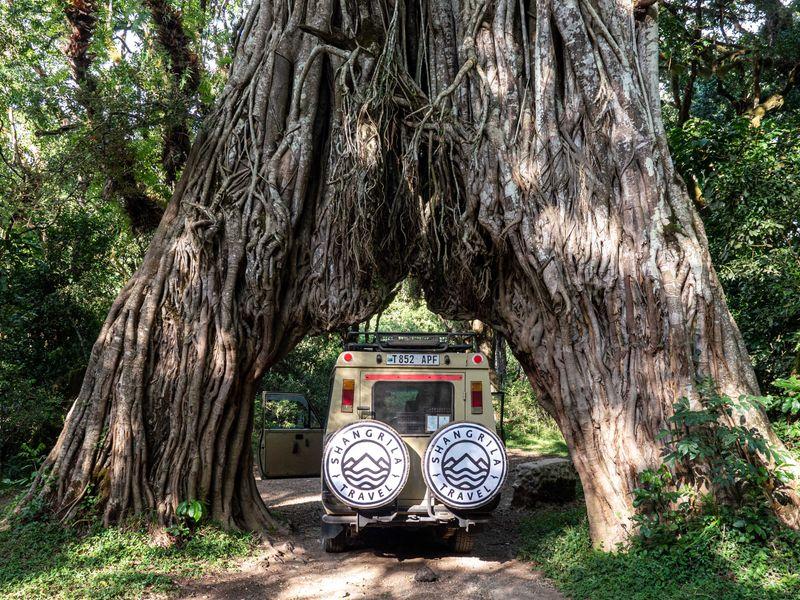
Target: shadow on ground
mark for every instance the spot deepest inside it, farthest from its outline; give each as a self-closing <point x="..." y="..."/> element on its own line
<point x="381" y="564"/>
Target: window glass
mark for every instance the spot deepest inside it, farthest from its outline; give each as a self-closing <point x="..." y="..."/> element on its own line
<point x="284" y="413"/>
<point x="413" y="407"/>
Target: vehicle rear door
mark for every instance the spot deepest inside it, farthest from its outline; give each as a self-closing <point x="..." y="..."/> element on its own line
<point x="415" y="402"/>
<point x="290" y="444"/>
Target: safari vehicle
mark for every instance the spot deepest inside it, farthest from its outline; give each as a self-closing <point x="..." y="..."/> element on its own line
<point x="410" y="438"/>
<point x="290" y="444"/>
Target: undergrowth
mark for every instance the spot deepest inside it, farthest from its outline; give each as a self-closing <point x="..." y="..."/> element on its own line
<point x="46" y="560"/>
<point x="548" y="441"/>
<point x="709" y="562"/>
<point x="705" y="526"/>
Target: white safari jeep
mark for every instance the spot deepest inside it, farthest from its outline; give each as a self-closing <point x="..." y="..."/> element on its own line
<point x="410" y="438"/>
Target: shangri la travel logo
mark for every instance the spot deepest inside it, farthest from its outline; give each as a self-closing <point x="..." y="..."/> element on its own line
<point x="465" y="465"/>
<point x="366" y="464"/>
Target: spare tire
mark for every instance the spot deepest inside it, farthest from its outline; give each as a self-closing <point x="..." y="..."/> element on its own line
<point x="365" y="464"/>
<point x="465" y="465"/>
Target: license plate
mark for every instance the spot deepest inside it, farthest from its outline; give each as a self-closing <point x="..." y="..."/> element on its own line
<point x="416" y="360"/>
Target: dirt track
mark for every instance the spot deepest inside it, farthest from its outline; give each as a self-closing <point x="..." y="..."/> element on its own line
<point x="383" y="566"/>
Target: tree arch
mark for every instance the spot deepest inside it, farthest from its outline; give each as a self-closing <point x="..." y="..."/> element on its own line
<point x="511" y="155"/>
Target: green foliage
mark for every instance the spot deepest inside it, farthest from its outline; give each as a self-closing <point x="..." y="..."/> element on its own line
<point x="664" y="507"/>
<point x="726" y="57"/>
<point x="750" y="178"/>
<point x="527" y="425"/>
<point x="707" y="563"/>
<point x="707" y="450"/>
<point x="306" y="370"/>
<point x="284" y="414"/>
<point x="718" y="62"/>
<point x="61" y="264"/>
<point x="42" y="560"/>
<point x="65" y="243"/>
<point x="26" y="462"/>
<point x="188" y="516"/>
<point x="408" y="312"/>
<point x="191" y="511"/>
<point x="787" y="404"/>
<point x="784" y="411"/>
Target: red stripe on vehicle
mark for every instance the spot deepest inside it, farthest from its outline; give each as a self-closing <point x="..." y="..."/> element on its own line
<point x="411" y="377"/>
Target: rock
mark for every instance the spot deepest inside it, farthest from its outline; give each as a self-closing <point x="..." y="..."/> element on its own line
<point x="425" y="574"/>
<point x="551" y="479"/>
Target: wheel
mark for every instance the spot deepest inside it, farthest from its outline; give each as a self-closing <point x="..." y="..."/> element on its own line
<point x="335" y="544"/>
<point x="462" y="541"/>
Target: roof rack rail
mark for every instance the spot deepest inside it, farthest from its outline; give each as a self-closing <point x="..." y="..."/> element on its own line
<point x="384" y="341"/>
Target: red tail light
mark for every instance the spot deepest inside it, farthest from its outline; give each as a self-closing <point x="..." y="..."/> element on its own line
<point x="476" y="390"/>
<point x="348" y="393"/>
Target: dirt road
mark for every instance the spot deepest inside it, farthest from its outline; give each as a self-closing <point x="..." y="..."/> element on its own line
<point x="384" y="566"/>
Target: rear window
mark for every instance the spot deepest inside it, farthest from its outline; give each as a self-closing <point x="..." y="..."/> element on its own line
<point x="413" y="407"/>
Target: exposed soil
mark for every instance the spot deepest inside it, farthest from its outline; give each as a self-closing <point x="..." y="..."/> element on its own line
<point x="384" y="563"/>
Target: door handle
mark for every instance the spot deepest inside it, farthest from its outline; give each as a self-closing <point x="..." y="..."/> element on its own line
<point x="298" y="436"/>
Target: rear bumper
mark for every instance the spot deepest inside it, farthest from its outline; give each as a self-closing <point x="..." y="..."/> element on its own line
<point x="360" y="521"/>
<point x="417" y="515"/>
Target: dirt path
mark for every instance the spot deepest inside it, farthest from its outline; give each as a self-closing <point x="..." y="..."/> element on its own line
<point x="384" y="566"/>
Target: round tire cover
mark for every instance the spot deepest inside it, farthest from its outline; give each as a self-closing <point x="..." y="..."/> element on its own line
<point x="465" y="465"/>
<point x="365" y="464"/>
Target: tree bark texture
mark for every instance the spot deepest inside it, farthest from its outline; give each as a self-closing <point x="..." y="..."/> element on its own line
<point x="256" y="249"/>
<point x="561" y="222"/>
<point x="509" y="154"/>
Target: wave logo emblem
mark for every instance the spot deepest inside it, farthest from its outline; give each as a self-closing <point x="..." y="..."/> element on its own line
<point x="462" y="469"/>
<point x="465" y="465"/>
<point x="365" y="464"/>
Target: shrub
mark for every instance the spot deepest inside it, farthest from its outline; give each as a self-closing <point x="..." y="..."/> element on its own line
<point x="711" y="475"/>
<point x="784" y="411"/>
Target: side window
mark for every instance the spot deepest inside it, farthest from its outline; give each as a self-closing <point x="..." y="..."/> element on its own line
<point x="413" y="407"/>
<point x="285" y="413"/>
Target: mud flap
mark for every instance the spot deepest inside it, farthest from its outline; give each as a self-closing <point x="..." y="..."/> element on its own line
<point x="331" y="530"/>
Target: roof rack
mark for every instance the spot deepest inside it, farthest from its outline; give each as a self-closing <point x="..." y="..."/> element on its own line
<point x="384" y="341"/>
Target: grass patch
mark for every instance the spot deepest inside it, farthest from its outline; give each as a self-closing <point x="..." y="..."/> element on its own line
<point x="711" y="564"/>
<point x="43" y="560"/>
<point x="546" y="441"/>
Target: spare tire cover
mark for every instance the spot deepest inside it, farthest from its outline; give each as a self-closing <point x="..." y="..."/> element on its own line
<point x="465" y="465"/>
<point x="365" y="464"/>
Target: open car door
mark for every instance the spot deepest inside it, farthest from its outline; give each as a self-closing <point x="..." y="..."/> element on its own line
<point x="290" y="444"/>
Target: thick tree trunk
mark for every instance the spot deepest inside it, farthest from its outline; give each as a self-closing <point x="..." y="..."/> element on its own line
<point x="258" y="247"/>
<point x="516" y="147"/>
<point x="572" y="235"/>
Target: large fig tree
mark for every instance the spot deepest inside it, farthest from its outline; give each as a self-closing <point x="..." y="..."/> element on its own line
<point x="510" y="154"/>
<point x="562" y="222"/>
